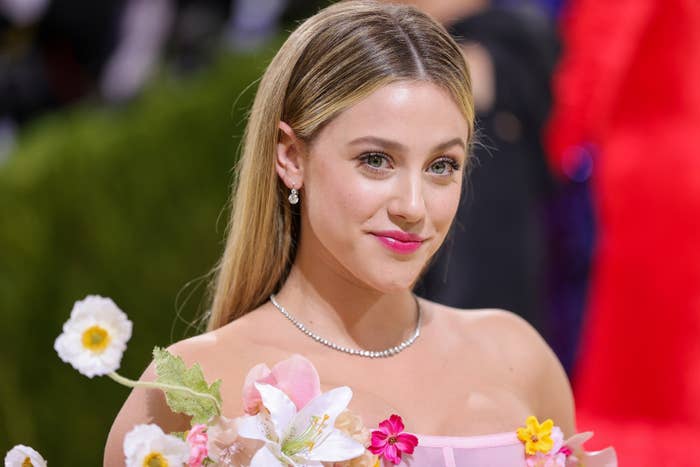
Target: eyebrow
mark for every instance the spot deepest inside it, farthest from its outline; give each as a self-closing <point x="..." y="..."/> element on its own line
<point x="395" y="145"/>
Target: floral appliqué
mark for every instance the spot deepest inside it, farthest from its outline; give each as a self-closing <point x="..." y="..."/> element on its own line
<point x="390" y="441"/>
<point x="545" y="447"/>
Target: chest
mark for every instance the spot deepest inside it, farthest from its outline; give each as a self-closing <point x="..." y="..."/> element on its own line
<point x="446" y="397"/>
<point x="439" y="387"/>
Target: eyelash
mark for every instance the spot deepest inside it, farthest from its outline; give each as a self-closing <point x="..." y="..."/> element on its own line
<point x="451" y="162"/>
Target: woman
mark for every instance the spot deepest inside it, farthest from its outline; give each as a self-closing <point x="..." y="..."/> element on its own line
<point x="350" y="177"/>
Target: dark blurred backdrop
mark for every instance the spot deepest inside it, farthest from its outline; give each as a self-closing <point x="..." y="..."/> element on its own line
<point x="120" y="122"/>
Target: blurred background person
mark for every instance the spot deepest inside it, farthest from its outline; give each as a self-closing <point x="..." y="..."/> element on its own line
<point x="520" y="241"/>
<point x="55" y="53"/>
<point x="628" y="106"/>
<point x="625" y="118"/>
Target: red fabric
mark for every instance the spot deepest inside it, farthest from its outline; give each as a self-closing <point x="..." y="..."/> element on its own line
<point x="630" y="83"/>
<point x="642" y="443"/>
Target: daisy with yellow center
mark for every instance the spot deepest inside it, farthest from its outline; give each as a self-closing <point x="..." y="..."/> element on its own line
<point x="24" y="456"/>
<point x="155" y="459"/>
<point x="149" y="446"/>
<point x="96" y="339"/>
<point x="95" y="336"/>
<point x="536" y="437"/>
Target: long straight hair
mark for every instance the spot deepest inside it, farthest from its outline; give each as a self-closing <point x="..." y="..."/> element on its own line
<point x="331" y="61"/>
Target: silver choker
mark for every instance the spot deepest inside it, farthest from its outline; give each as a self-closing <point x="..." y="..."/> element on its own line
<point x="362" y="353"/>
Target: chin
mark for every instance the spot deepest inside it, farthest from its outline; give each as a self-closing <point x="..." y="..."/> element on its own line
<point x="394" y="281"/>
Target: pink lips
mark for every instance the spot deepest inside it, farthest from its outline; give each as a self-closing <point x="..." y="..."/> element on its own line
<point x="399" y="241"/>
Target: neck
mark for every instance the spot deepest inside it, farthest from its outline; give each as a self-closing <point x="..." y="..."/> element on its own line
<point x="330" y="302"/>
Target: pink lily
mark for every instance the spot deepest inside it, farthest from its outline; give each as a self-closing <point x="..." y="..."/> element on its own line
<point x="295" y="376"/>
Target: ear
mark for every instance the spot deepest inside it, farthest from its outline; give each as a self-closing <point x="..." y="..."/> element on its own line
<point x="289" y="161"/>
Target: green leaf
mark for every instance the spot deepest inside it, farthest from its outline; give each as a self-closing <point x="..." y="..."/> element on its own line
<point x="179" y="434"/>
<point x="171" y="370"/>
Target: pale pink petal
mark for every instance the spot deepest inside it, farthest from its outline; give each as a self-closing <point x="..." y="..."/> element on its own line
<point x="252" y="403"/>
<point x="222" y="437"/>
<point x="297" y="377"/>
<point x="605" y="458"/>
<point x="577" y="440"/>
<point x="557" y="437"/>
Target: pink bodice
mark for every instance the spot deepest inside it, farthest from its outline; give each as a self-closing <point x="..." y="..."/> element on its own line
<point x="496" y="450"/>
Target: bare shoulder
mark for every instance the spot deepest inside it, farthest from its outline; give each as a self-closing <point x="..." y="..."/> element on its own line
<point x="511" y="341"/>
<point x="498" y="325"/>
<point x="225" y="354"/>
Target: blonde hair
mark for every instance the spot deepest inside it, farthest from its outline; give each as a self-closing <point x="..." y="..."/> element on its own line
<point x="331" y="61"/>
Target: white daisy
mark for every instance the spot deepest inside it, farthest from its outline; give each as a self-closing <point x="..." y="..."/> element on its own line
<point x="147" y="445"/>
<point x="24" y="456"/>
<point x="95" y="336"/>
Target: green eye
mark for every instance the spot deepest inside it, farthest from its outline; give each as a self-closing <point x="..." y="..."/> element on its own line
<point x="444" y="167"/>
<point x="440" y="167"/>
<point x="375" y="160"/>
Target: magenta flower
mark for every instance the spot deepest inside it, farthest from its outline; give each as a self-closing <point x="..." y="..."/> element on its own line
<point x="389" y="441"/>
<point x="197" y="439"/>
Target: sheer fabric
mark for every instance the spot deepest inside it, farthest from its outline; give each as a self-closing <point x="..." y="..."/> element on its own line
<point x="498" y="450"/>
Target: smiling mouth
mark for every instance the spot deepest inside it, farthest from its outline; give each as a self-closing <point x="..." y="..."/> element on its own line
<point x="399" y="242"/>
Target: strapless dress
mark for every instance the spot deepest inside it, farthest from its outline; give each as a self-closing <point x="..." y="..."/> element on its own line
<point x="496" y="450"/>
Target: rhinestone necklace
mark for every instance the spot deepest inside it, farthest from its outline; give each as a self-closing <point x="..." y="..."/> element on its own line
<point x="362" y="353"/>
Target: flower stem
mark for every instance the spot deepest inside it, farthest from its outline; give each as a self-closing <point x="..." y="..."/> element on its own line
<point x="163" y="386"/>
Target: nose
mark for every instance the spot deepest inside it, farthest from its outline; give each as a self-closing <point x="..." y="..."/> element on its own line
<point x="407" y="205"/>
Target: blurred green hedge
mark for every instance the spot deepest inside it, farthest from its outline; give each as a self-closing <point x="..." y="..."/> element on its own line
<point x="129" y="203"/>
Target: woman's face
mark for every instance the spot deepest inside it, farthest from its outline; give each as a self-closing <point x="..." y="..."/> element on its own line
<point x="381" y="185"/>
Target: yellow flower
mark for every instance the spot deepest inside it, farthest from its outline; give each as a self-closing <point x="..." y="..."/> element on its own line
<point x="537" y="437"/>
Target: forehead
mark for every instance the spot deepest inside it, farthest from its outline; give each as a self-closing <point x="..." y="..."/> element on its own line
<point x="416" y="112"/>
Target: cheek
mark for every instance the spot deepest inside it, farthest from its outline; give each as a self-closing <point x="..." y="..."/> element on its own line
<point x="338" y="202"/>
<point x="442" y="205"/>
